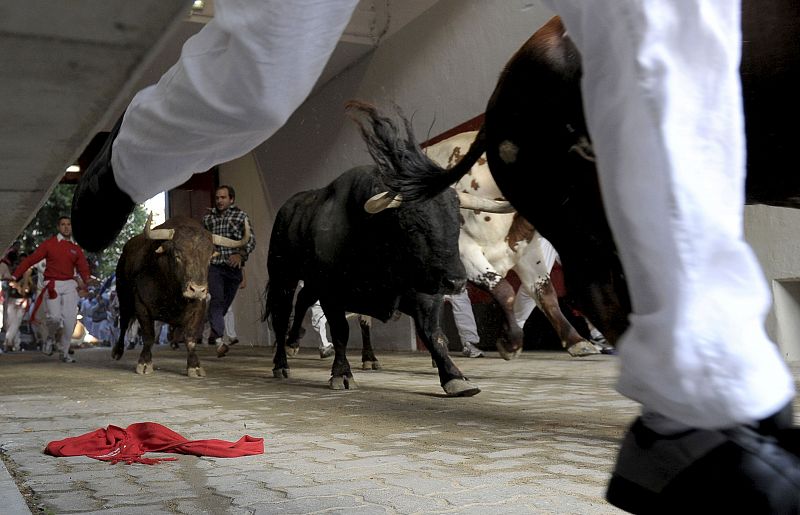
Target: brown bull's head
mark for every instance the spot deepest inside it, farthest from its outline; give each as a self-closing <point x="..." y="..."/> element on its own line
<point x="188" y="248"/>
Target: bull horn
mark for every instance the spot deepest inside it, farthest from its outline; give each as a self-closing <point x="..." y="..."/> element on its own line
<point x="469" y="201"/>
<point x="381" y="201"/>
<point x="156" y="234"/>
<point x="222" y="241"/>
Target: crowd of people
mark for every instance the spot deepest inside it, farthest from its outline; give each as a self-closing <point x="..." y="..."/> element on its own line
<point x="41" y="293"/>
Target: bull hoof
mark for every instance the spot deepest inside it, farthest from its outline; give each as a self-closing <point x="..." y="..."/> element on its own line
<point x="116" y="355"/>
<point x="174" y="345"/>
<point x="605" y="348"/>
<point x="222" y="349"/>
<point x="460" y="388"/>
<point x="280" y="373"/>
<point x="343" y="383"/>
<point x="581" y="349"/>
<point x="506" y="354"/>
<point x="292" y="351"/>
<point x="371" y="365"/>
<point x="144" y="368"/>
<point x="195" y="372"/>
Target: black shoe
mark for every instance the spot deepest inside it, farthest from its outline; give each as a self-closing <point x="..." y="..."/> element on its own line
<point x="738" y="470"/>
<point x="99" y="208"/>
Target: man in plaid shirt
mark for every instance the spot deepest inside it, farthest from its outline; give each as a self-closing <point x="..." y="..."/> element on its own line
<point x="225" y="272"/>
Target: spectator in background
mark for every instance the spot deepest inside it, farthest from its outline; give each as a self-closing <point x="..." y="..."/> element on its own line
<point x="19" y="295"/>
<point x="7" y="264"/>
<point x="225" y="274"/>
<point x="466" y="326"/>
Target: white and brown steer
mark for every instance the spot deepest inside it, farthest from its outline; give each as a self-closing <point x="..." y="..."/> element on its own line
<point x="492" y="244"/>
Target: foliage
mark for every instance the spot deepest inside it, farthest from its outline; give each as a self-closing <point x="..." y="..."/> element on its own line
<point x="44" y="225"/>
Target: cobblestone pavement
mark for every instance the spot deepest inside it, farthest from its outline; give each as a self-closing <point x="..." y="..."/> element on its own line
<point x="540" y="437"/>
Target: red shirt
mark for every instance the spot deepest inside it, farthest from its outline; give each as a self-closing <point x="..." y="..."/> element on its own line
<point x="63" y="257"/>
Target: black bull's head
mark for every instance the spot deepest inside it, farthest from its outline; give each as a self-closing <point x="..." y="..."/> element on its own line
<point x="189" y="249"/>
<point x="426" y="234"/>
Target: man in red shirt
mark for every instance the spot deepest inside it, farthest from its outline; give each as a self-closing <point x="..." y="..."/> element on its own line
<point x="63" y="257"/>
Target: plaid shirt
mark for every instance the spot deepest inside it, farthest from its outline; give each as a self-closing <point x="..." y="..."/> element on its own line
<point x="229" y="224"/>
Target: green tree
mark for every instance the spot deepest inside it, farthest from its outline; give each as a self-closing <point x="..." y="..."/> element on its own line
<point x="44" y="225"/>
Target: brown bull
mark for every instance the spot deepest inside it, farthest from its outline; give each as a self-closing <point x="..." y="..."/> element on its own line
<point x="162" y="274"/>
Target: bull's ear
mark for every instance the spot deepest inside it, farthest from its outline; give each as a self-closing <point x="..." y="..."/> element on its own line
<point x="381" y="201"/>
<point x="160" y="249"/>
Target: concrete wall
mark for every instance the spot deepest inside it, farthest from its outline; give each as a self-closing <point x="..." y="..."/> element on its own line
<point x="243" y="174"/>
<point x="441" y="68"/>
<point x="774" y="233"/>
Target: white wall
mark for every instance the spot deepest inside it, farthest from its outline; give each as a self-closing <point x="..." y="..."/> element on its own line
<point x="244" y="176"/>
<point x="774" y="233"/>
<point x="442" y="68"/>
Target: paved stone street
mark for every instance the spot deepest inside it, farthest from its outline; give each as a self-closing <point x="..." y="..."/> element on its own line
<point x="540" y="437"/>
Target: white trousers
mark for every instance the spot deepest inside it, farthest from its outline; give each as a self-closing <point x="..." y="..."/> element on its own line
<point x="464" y="317"/>
<point x="230" y="324"/>
<point x="524" y="304"/>
<point x="15" y="314"/>
<point x="663" y="101"/>
<point x="318" y="323"/>
<point x="63" y="311"/>
<point x="237" y="81"/>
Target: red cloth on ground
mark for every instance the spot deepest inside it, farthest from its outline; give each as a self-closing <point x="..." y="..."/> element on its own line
<point x="116" y="444"/>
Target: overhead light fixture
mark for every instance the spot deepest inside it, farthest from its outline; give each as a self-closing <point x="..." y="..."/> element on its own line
<point x="73" y="168"/>
<point x="198" y="5"/>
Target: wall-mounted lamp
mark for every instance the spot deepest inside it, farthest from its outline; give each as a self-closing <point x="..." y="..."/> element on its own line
<point x="73" y="168"/>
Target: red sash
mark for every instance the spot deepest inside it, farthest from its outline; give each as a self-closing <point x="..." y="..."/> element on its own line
<point x="50" y="288"/>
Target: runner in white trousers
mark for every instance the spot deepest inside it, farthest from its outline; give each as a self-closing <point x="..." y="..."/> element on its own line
<point x="663" y="103"/>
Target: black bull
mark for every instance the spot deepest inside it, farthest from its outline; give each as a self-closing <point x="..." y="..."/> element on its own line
<point x="537" y="104"/>
<point x="396" y="257"/>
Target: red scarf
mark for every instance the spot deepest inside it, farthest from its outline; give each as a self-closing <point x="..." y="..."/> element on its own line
<point x="116" y="444"/>
<point x="50" y="288"/>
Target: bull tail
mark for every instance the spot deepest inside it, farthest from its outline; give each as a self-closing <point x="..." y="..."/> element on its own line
<point x="402" y="165"/>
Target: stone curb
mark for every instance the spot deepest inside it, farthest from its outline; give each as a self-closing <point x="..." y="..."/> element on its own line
<point x="11" y="500"/>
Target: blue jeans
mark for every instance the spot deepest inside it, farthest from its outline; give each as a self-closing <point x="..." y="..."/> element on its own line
<point x="223" y="282"/>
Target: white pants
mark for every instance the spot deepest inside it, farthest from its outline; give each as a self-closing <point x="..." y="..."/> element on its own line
<point x="464" y="317"/>
<point x="63" y="311"/>
<point x="237" y="81"/>
<point x="230" y="324"/>
<point x="16" y="312"/>
<point x="318" y="322"/>
<point x="662" y="96"/>
<point x="523" y="302"/>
